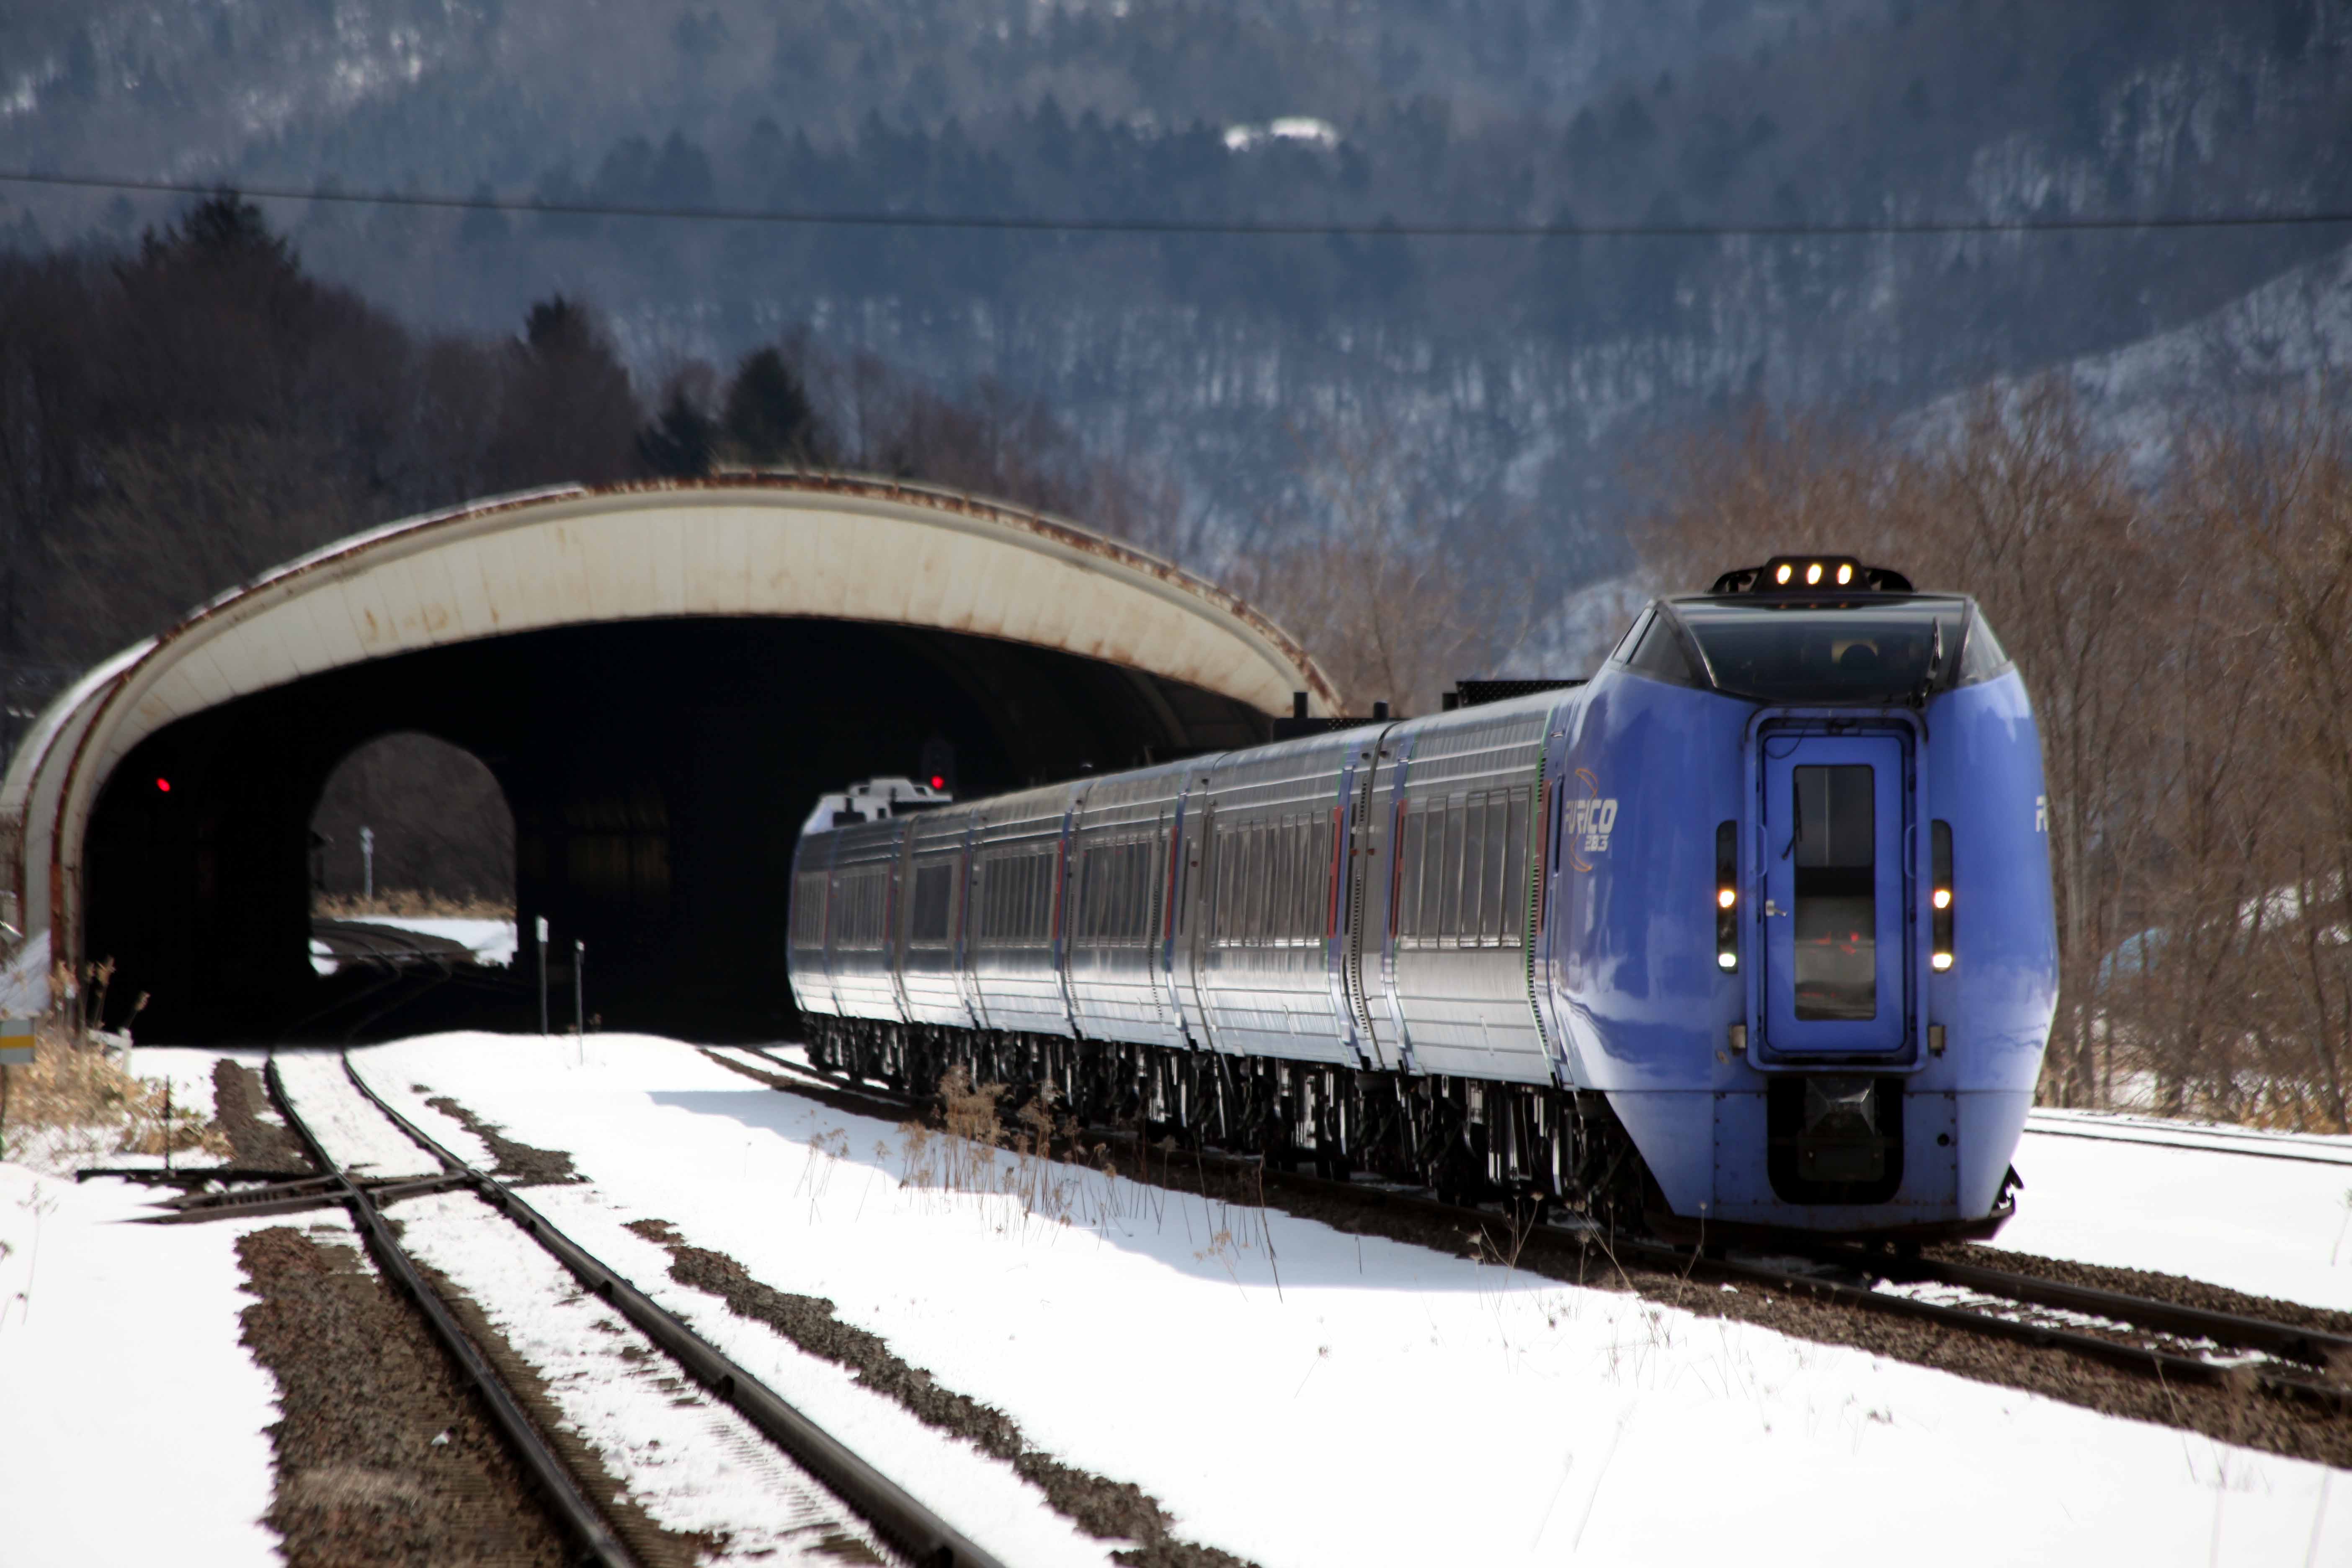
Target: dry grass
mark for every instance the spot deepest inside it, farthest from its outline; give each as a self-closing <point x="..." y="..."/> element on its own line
<point x="961" y="1155"/>
<point x="1054" y="1176"/>
<point x="80" y="1099"/>
<point x="407" y="902"/>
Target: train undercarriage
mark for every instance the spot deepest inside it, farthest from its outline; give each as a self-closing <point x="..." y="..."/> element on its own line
<point x="1470" y="1141"/>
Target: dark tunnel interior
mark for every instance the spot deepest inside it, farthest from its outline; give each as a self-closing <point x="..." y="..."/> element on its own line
<point x="658" y="773"/>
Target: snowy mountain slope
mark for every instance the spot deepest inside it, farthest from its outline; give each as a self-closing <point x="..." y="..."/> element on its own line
<point x="2293" y="334"/>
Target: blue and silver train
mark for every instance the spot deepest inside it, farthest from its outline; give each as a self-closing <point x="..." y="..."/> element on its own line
<point x="1752" y="930"/>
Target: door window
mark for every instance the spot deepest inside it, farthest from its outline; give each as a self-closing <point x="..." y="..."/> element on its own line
<point x="1834" y="848"/>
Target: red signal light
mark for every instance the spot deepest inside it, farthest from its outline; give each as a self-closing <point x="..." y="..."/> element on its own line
<point x="938" y="781"/>
<point x="163" y="786"/>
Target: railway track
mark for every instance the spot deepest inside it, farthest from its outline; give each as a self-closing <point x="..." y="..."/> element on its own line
<point x="2165" y="1341"/>
<point x="2149" y="1133"/>
<point x="899" y="1520"/>
<point x="388" y="970"/>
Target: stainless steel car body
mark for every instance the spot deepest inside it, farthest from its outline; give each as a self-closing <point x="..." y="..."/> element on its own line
<point x="1253" y="903"/>
<point x="1013" y="908"/>
<point x="1123" y="877"/>
<point x="1452" y="857"/>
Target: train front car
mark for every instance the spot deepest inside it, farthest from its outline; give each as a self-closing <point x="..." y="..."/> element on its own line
<point x="1802" y="928"/>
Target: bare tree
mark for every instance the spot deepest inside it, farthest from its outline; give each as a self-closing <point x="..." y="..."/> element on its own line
<point x="2281" y="496"/>
<point x="2039" y="523"/>
<point x="1398" y="591"/>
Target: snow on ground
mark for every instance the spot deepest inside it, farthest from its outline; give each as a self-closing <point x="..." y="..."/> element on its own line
<point x="1304" y="1396"/>
<point x="2270" y="1228"/>
<point x="692" y="1464"/>
<point x="131" y="1419"/>
<point x="354" y="1133"/>
<point x="492" y="942"/>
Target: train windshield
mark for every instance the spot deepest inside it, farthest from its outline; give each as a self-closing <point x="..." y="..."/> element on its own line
<point x="1859" y="651"/>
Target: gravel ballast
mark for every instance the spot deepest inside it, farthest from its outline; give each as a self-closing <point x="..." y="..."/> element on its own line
<point x="382" y="1454"/>
<point x="1103" y="1507"/>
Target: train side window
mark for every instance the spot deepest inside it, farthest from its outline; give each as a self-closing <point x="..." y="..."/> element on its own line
<point x="1475" y="892"/>
<point x="1041" y="928"/>
<point x="1110" y="894"/>
<point x="927" y="919"/>
<point x="1282" y="895"/>
<point x="1302" y="855"/>
<point x="1249" y="879"/>
<point x="1982" y="656"/>
<point x="1661" y="652"/>
<point x="1433" y="874"/>
<point x="808" y="910"/>
<point x="1245" y="839"/>
<point x="1270" y="919"/>
<point x="1218" y="850"/>
<point x="1449" y="874"/>
<point x="1623" y="651"/>
<point x="1495" y="899"/>
<point x="1317" y="895"/>
<point x="1515" y="868"/>
<point x="1138" y="897"/>
<point x="1269" y="877"/>
<point x="1307" y="923"/>
<point x="1110" y="925"/>
<point x="1284" y="920"/>
<point x="1408" y="876"/>
<point x="1117" y="916"/>
<point x="1304" y="923"/>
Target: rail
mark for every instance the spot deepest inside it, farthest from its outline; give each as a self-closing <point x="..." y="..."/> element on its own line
<point x="538" y="1457"/>
<point x="2253" y="1145"/>
<point x="928" y="1539"/>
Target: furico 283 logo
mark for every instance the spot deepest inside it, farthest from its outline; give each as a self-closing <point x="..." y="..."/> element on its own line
<point x="1587" y="820"/>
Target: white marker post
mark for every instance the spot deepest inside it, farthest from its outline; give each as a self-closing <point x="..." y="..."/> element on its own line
<point x="543" y="973"/>
<point x="579" y="993"/>
<point x="367" y="865"/>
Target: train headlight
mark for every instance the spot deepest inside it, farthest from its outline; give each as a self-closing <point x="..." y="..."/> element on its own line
<point x="1845" y="573"/>
<point x="1812" y="573"/>
<point x="1939" y="879"/>
<point x="1782" y="575"/>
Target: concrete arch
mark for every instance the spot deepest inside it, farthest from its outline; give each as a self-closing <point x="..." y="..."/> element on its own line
<point x="809" y="547"/>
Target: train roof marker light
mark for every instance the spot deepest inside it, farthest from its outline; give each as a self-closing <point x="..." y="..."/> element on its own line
<point x="1800" y="573"/>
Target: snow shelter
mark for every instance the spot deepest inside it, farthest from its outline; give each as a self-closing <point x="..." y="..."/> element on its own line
<point x="663" y="678"/>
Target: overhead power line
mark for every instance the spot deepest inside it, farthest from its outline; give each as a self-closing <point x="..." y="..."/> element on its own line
<point x="1243" y="227"/>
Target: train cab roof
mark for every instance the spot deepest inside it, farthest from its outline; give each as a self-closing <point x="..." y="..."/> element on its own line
<point x="875" y="800"/>
<point x="1817" y="630"/>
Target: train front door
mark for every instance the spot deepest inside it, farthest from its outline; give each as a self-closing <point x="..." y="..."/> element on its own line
<point x="1837" y="976"/>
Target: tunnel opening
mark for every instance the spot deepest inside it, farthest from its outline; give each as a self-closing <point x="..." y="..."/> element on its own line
<point x="657" y="772"/>
<point x="412" y="868"/>
<point x="410" y="826"/>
